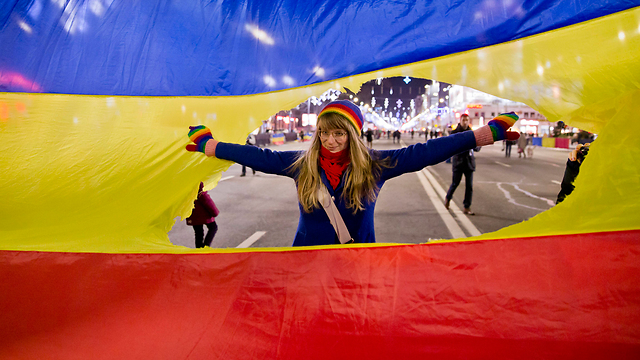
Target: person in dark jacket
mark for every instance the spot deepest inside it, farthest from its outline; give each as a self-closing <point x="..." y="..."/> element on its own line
<point x="370" y="138"/>
<point x="204" y="213"/>
<point x="244" y="168"/>
<point x="463" y="163"/>
<point x="396" y="135"/>
<point x="339" y="163"/>
<point x="507" y="150"/>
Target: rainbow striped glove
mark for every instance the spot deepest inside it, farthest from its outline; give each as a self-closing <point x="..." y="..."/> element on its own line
<point x="199" y="135"/>
<point x="501" y="123"/>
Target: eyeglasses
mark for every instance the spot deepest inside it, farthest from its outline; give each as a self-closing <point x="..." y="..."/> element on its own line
<point x="338" y="135"/>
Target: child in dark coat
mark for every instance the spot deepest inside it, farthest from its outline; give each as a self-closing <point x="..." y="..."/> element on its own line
<point x="204" y="213"/>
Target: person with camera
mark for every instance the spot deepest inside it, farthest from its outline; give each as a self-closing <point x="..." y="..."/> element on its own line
<point x="576" y="157"/>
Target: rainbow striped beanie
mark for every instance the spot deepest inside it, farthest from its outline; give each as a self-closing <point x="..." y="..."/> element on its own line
<point x="347" y="109"/>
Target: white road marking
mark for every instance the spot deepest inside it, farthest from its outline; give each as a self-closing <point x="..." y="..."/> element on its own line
<point x="556" y="165"/>
<point x="462" y="218"/>
<point x="450" y="223"/>
<point x="513" y="201"/>
<point x="436" y="195"/>
<point x="549" y="202"/>
<point x="503" y="164"/>
<point x="226" y="178"/>
<point x="251" y="239"/>
<point x="556" y="182"/>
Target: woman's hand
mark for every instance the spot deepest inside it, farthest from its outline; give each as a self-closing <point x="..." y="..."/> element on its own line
<point x="200" y="135"/>
<point x="500" y="124"/>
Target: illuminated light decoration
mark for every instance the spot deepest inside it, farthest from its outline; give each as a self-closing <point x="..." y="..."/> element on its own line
<point x="116" y="288"/>
<point x="24" y="26"/>
<point x="288" y="80"/>
<point x="270" y="81"/>
<point x="529" y="122"/>
<point x="407" y="80"/>
<point x="97" y="8"/>
<point x="474" y="106"/>
<point x="318" y="71"/>
<point x="261" y="35"/>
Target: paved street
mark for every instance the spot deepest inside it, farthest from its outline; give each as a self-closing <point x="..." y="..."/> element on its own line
<point x="261" y="210"/>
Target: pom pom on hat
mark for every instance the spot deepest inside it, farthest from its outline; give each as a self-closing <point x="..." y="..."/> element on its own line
<point x="347" y="109"/>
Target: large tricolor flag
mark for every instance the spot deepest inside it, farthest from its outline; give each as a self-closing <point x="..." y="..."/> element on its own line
<point x="95" y="100"/>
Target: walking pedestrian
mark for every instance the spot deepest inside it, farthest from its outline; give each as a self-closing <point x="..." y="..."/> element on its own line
<point x="338" y="179"/>
<point x="463" y="163"/>
<point x="522" y="145"/>
<point x="507" y="149"/>
<point x="244" y="168"/>
<point x="204" y="213"/>
<point x="370" y="138"/>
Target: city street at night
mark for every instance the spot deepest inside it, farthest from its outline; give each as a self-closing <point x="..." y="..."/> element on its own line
<point x="261" y="210"/>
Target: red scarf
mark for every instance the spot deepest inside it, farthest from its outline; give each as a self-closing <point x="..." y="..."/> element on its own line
<point x="334" y="164"/>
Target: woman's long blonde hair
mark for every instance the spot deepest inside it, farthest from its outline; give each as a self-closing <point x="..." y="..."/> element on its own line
<point x="361" y="175"/>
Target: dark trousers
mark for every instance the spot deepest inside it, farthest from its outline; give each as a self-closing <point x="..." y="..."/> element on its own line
<point x="244" y="170"/>
<point x="468" y="182"/>
<point x="201" y="240"/>
<point x="507" y="151"/>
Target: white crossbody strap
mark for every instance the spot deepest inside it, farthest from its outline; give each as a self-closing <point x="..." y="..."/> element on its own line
<point x="334" y="215"/>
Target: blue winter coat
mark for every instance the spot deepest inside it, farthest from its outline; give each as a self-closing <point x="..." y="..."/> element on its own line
<point x="314" y="228"/>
